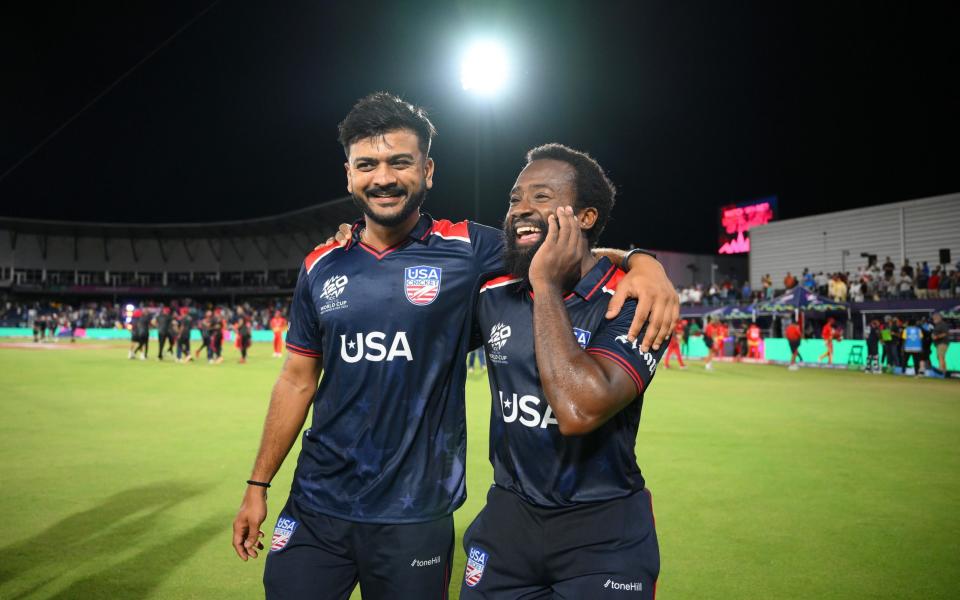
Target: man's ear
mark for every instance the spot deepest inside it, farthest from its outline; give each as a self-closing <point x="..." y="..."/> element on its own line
<point x="346" y="167"/>
<point x="587" y="218"/>
<point x="428" y="173"/>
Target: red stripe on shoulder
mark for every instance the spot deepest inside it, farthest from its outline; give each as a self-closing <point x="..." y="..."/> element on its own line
<point x="616" y="278"/>
<point x="499" y="281"/>
<point x="448" y="230"/>
<point x="318" y="253"/>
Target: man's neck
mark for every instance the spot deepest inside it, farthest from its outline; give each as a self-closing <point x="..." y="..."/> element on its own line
<point x="380" y="237"/>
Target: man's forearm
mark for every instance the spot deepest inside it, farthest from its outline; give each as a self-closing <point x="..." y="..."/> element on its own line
<point x="616" y="257"/>
<point x="289" y="403"/>
<point x="568" y="375"/>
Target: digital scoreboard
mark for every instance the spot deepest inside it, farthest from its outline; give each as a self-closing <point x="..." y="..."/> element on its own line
<point x="736" y="220"/>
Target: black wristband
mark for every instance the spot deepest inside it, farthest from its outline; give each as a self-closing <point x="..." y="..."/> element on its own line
<point x="258" y="483"/>
<point x="626" y="257"/>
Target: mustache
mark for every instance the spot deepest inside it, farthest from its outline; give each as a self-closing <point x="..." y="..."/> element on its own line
<point x="511" y="224"/>
<point x="393" y="190"/>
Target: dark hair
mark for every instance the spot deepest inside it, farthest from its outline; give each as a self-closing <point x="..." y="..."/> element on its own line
<point x="594" y="188"/>
<point x="382" y="112"/>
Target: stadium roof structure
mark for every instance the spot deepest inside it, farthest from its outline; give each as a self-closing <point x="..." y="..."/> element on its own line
<point x="319" y="219"/>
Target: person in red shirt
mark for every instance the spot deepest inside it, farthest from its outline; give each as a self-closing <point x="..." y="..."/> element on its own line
<point x="673" y="347"/>
<point x="714" y="334"/>
<point x="794" y="335"/>
<point x="753" y="341"/>
<point x="278" y="325"/>
<point x="828" y="333"/>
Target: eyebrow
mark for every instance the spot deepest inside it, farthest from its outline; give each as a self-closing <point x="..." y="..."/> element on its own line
<point x="535" y="186"/>
<point x="390" y="158"/>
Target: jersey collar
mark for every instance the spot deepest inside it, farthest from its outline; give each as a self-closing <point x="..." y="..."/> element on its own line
<point x="419" y="233"/>
<point x="593" y="281"/>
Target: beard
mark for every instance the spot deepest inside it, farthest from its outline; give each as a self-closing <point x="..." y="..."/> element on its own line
<point x="411" y="204"/>
<point x="517" y="258"/>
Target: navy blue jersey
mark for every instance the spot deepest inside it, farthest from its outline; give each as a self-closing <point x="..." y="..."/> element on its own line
<point x="529" y="455"/>
<point x="387" y="442"/>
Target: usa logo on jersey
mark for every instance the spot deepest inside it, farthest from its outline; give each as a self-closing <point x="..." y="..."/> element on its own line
<point x="282" y="533"/>
<point x="582" y="335"/>
<point x="421" y="284"/>
<point x="476" y="563"/>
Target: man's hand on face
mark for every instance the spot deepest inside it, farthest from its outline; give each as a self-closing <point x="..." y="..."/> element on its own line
<point x="559" y="257"/>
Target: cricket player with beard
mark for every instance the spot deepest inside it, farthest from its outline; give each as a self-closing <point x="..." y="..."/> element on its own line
<point x="569" y="514"/>
<point x="386" y="317"/>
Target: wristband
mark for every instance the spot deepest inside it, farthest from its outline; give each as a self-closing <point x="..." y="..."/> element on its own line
<point x="258" y="483"/>
<point x="626" y="257"/>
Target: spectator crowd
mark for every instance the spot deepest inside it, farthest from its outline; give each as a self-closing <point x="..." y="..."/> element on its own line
<point x="872" y="282"/>
<point x="56" y="316"/>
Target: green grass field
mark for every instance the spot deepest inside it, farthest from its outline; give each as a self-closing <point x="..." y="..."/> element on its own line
<point x="120" y="479"/>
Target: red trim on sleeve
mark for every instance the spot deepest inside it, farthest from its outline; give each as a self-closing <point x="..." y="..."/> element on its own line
<point x="319" y="252"/>
<point x="499" y="281"/>
<point x="449" y="230"/>
<point x="303" y="351"/>
<point x="599" y="283"/>
<point x="622" y="362"/>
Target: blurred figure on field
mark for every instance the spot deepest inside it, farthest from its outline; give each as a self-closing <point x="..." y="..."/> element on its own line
<point x="217" y="332"/>
<point x="183" y="335"/>
<point x="828" y="334"/>
<point x="940" y="336"/>
<point x="163" y="322"/>
<point x="39" y="328"/>
<point x="927" y="328"/>
<point x="886" y="338"/>
<point x="873" y="348"/>
<point x="204" y="328"/>
<point x="793" y="335"/>
<point x="753" y="341"/>
<point x="278" y="325"/>
<point x="673" y="348"/>
<point x="714" y="335"/>
<point x="244" y="335"/>
<point x="477" y="356"/>
<point x="139" y="335"/>
<point x="913" y="347"/>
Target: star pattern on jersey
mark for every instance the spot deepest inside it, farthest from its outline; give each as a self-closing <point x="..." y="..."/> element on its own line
<point x="356" y="507"/>
<point x="441" y="442"/>
<point x="352" y="344"/>
<point x="406" y="501"/>
<point x="454" y="477"/>
<point x="368" y="457"/>
<point x="365" y="405"/>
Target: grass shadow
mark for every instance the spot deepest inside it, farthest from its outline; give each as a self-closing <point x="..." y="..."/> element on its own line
<point x="116" y="526"/>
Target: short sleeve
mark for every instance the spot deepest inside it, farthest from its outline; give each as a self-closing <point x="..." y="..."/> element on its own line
<point x="304" y="336"/>
<point x="610" y="342"/>
<point x="487" y="245"/>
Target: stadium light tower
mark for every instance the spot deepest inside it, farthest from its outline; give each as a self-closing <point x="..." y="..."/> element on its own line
<point x="484" y="72"/>
<point x="484" y="69"/>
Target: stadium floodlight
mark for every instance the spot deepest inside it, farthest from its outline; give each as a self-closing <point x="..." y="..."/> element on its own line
<point x="485" y="68"/>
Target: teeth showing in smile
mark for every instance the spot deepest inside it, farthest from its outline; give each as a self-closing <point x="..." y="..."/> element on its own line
<point x="527" y="230"/>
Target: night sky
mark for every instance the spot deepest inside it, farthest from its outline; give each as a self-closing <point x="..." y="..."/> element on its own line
<point x="689" y="106"/>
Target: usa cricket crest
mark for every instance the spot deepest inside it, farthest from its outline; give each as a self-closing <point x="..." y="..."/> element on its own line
<point x="421" y="284"/>
<point x="282" y="533"/>
<point x="476" y="563"/>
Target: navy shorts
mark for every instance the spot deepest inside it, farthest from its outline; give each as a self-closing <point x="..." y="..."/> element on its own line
<point x="518" y="550"/>
<point x="315" y="556"/>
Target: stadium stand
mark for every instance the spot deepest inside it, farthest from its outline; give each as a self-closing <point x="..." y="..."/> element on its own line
<point x="223" y="259"/>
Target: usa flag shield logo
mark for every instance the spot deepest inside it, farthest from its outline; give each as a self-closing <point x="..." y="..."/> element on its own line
<point x="476" y="563"/>
<point x="282" y="533"/>
<point x="421" y="284"/>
